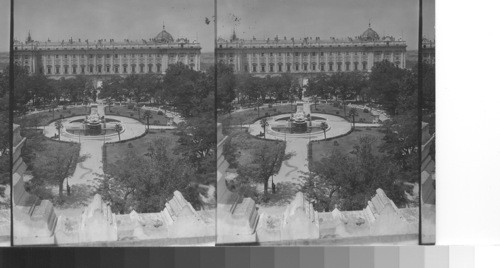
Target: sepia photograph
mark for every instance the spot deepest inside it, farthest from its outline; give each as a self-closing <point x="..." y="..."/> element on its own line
<point x="114" y="123"/>
<point x="5" y="144"/>
<point x="428" y="106"/>
<point x="317" y="106"/>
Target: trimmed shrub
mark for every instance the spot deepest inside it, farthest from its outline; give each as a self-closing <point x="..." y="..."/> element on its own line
<point x="131" y="114"/>
<point x="160" y="112"/>
<point x="365" y="110"/>
<point x="270" y="105"/>
<point x="130" y="106"/>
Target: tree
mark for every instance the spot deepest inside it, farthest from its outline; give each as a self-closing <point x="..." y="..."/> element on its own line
<point x="350" y="180"/>
<point x="353" y="112"/>
<point x="148" y="115"/>
<point x="324" y="127"/>
<point x="59" y="125"/>
<point x="259" y="103"/>
<point x="266" y="162"/>
<point x="118" y="129"/>
<point x="56" y="163"/>
<point x="264" y="124"/>
<point x="386" y="81"/>
<point x="315" y="100"/>
<point x="226" y="84"/>
<point x="144" y="183"/>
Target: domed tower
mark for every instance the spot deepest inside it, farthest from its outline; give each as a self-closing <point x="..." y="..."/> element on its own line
<point x="369" y="34"/>
<point x="163" y="37"/>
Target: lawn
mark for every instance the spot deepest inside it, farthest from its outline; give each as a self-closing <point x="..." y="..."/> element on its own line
<point x="249" y="116"/>
<point x="115" y="151"/>
<point x="43" y="118"/>
<point x="125" y="111"/>
<point x="362" y="117"/>
<point x="322" y="149"/>
<point x="245" y="144"/>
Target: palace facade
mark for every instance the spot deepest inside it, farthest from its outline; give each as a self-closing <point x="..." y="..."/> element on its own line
<point x="103" y="57"/>
<point x="429" y="51"/>
<point x="307" y="56"/>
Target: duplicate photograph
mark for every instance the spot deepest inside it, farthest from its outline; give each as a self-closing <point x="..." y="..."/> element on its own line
<point x="317" y="122"/>
<point x="114" y="126"/>
<point x="428" y="80"/>
<point x="5" y="151"/>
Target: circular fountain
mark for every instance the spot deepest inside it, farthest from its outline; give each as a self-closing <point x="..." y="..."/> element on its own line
<point x="97" y="126"/>
<point x="302" y="124"/>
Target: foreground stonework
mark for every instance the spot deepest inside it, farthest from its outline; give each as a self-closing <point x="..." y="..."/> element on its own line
<point x="35" y="222"/>
<point x="238" y="220"/>
<point x="428" y="184"/>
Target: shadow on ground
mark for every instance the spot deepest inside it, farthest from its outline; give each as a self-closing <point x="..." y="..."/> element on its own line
<point x="80" y="196"/>
<point x="285" y="192"/>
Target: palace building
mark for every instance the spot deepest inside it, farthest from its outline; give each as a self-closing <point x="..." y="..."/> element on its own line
<point x="308" y="56"/>
<point x="428" y="51"/>
<point x="103" y="57"/>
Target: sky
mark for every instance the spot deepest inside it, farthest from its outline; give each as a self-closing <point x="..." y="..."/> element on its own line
<point x="4" y="25"/>
<point x="114" y="19"/>
<point x="132" y="19"/>
<point x="318" y="18"/>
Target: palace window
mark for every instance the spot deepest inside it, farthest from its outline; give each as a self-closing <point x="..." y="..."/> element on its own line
<point x="108" y="56"/>
<point x="116" y="69"/>
<point x="91" y="69"/>
<point x="82" y="69"/>
<point x="65" y="69"/>
<point x="355" y="66"/>
<point x="158" y="68"/>
<point x="339" y="66"/>
<point x="280" y="67"/>
<point x="364" y="65"/>
<point x="49" y="69"/>
<point x="296" y="53"/>
<point x="262" y="54"/>
<point x="141" y="68"/>
<point x="57" y="56"/>
<point x="330" y="66"/>
<point x="322" y="66"/>
<point x="254" y="68"/>
<point x="116" y="56"/>
<point x="108" y="69"/>
<point x="271" y="54"/>
<point x="347" y="65"/>
<point x="271" y="68"/>
<point x="74" y="69"/>
<point x="305" y="66"/>
<point x="288" y="67"/>
<point x="314" y="54"/>
<point x="150" y="68"/>
<point x="263" y="68"/>
<point x="246" y="68"/>
<point x="321" y="54"/>
<point x="297" y="67"/>
<point x="133" y="69"/>
<point x="65" y="56"/>
<point x="313" y="67"/>
<point x="124" y="69"/>
<point x="57" y="69"/>
<point x="99" y="69"/>
<point x="74" y="56"/>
